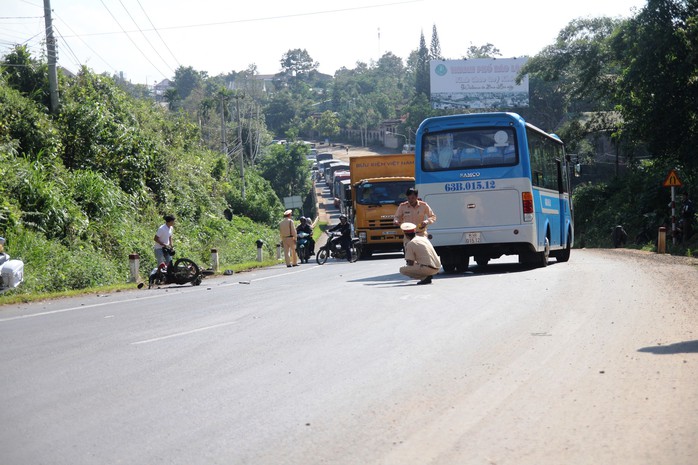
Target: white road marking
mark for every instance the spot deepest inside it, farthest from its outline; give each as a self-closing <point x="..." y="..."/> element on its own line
<point x="179" y="290"/>
<point x="184" y="333"/>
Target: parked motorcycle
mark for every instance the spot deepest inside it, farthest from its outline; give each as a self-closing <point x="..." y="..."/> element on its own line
<point x="333" y="248"/>
<point x="303" y="247"/>
<point x="182" y="271"/>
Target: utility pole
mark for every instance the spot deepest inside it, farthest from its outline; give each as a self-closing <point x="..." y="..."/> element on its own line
<point x="52" y="57"/>
<point x="224" y="147"/>
<point x="242" y="147"/>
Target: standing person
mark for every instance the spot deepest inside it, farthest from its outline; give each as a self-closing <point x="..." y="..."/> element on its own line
<point x="345" y="239"/>
<point x="163" y="238"/>
<point x="619" y="236"/>
<point x="3" y="256"/>
<point x="688" y="213"/>
<point x="422" y="260"/>
<point x="414" y="211"/>
<point x="287" y="231"/>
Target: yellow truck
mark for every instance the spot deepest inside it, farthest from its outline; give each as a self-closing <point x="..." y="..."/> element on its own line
<point x="378" y="185"/>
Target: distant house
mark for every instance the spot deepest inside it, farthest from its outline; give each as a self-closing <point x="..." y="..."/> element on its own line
<point x="391" y="138"/>
<point x="161" y="88"/>
<point x="255" y="83"/>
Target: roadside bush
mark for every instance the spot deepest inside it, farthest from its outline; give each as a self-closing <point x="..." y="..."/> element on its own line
<point x="52" y="267"/>
<point x="25" y="124"/>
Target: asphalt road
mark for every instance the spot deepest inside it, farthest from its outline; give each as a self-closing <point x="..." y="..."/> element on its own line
<point x="594" y="361"/>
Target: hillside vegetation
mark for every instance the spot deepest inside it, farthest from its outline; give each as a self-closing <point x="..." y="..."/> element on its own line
<point x="82" y="190"/>
<point x="85" y="185"/>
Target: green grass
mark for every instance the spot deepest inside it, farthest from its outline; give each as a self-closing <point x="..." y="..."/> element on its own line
<point x="17" y="296"/>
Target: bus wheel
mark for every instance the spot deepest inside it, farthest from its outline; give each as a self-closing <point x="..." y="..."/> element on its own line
<point x="544" y="255"/>
<point x="463" y="265"/>
<point x="482" y="261"/>
<point x="564" y="255"/>
<point x="450" y="268"/>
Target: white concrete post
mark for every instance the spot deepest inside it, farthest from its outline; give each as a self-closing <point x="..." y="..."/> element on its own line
<point x="661" y="240"/>
<point x="214" y="260"/>
<point x="260" y="243"/>
<point x="134" y="265"/>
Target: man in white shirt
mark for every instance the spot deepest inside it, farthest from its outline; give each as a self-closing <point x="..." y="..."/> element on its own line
<point x="163" y="238"/>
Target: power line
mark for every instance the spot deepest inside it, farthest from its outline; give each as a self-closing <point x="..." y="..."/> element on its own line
<point x="158" y="32"/>
<point x="144" y="36"/>
<point x="268" y="18"/>
<point x="70" y="50"/>
<point x="21" y="17"/>
<point x="77" y="60"/>
<point x="131" y="39"/>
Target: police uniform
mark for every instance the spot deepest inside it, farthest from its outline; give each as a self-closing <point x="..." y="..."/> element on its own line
<point x="421" y="212"/>
<point x="419" y="251"/>
<point x="287" y="231"/>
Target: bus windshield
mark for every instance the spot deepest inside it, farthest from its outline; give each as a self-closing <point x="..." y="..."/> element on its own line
<point x="474" y="147"/>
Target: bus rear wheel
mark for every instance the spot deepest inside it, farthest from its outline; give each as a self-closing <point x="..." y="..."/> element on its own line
<point x="449" y="268"/>
<point x="542" y="257"/>
<point x="564" y="254"/>
<point x="462" y="266"/>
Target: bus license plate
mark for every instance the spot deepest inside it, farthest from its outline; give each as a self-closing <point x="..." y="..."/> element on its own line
<point x="473" y="238"/>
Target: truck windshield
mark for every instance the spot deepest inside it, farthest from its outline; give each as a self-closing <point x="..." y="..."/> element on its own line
<point x="382" y="193"/>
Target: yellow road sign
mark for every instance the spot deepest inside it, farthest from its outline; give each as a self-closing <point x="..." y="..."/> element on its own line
<point x="672" y="180"/>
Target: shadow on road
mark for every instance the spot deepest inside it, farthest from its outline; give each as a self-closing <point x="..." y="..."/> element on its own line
<point x="686" y="347"/>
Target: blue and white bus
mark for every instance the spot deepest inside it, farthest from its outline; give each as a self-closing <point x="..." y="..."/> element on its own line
<point x="498" y="185"/>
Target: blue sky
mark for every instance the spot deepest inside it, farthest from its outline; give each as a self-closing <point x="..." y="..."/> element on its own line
<point x="148" y="39"/>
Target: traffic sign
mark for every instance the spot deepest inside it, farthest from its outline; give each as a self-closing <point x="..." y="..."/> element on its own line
<point x="672" y="180"/>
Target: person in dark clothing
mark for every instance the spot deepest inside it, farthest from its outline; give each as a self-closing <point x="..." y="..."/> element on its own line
<point x="345" y="239"/>
<point x="688" y="213"/>
<point x="306" y="228"/>
<point x="619" y="236"/>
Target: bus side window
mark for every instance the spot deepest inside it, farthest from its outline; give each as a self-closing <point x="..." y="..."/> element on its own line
<point x="537" y="179"/>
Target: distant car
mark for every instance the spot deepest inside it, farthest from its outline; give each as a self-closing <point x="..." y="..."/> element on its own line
<point x="408" y="148"/>
<point x="330" y="168"/>
<point x="324" y="156"/>
<point x="321" y="166"/>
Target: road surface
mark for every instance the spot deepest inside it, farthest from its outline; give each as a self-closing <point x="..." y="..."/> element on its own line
<point x="594" y="361"/>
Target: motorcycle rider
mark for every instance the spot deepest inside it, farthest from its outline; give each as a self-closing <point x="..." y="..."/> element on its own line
<point x="345" y="239"/>
<point x="306" y="228"/>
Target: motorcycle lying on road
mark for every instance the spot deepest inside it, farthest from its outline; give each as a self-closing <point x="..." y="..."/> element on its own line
<point x="180" y="272"/>
<point x="333" y="248"/>
<point x="303" y="247"/>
